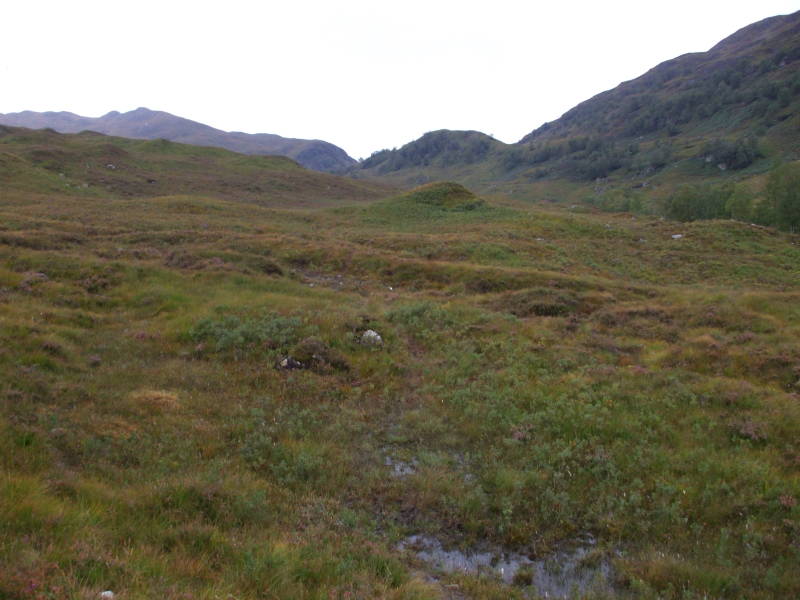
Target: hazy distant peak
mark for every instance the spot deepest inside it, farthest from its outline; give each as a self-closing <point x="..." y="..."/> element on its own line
<point x="145" y="123"/>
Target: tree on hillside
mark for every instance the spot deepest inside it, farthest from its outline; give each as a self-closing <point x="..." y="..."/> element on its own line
<point x="734" y="154"/>
<point x="740" y="205"/>
<point x="689" y="203"/>
<point x="783" y="196"/>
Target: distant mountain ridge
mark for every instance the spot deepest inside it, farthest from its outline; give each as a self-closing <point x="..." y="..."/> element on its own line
<point x="144" y="123"/>
<point x="704" y="112"/>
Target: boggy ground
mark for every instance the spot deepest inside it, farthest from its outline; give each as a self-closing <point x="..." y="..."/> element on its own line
<point x="544" y="376"/>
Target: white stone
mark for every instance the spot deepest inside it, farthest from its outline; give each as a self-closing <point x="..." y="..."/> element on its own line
<point x="371" y="338"/>
<point x="677" y="236"/>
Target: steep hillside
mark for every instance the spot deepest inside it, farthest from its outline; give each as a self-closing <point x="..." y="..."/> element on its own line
<point x="92" y="164"/>
<point x="724" y="108"/>
<point x="744" y="83"/>
<point x="705" y="114"/>
<point x="148" y="124"/>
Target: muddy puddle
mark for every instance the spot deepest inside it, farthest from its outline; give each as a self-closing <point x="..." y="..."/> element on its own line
<point x="401" y="468"/>
<point x="572" y="572"/>
<point x="335" y="282"/>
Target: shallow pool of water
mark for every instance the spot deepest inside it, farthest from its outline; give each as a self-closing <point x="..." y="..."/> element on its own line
<point x="575" y="570"/>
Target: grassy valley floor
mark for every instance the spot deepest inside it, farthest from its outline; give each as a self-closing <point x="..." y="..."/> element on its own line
<point x="544" y="378"/>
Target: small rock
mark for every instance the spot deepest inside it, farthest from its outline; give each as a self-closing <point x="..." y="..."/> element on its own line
<point x="315" y="354"/>
<point x="371" y="338"/>
<point x="677" y="236"/>
<point x="289" y="363"/>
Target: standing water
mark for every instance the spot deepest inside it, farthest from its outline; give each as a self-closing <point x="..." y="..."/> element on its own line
<point x="562" y="574"/>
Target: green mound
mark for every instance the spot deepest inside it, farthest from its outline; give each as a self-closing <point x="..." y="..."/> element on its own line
<point x="445" y="194"/>
<point x="432" y="204"/>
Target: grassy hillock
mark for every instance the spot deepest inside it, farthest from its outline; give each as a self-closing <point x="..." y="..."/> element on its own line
<point x="544" y="378"/>
<point x="444" y="195"/>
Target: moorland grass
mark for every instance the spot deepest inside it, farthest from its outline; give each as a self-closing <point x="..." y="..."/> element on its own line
<point x="550" y="374"/>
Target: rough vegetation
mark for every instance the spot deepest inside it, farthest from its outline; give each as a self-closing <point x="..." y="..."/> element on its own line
<point x="545" y="376"/>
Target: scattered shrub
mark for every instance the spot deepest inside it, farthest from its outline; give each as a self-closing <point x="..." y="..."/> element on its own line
<point x="421" y="318"/>
<point x="243" y="335"/>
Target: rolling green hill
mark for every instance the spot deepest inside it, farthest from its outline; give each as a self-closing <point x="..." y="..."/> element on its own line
<point x="91" y="164"/>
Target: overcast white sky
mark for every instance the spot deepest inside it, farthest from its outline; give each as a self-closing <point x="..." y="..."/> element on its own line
<point x="361" y="74"/>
